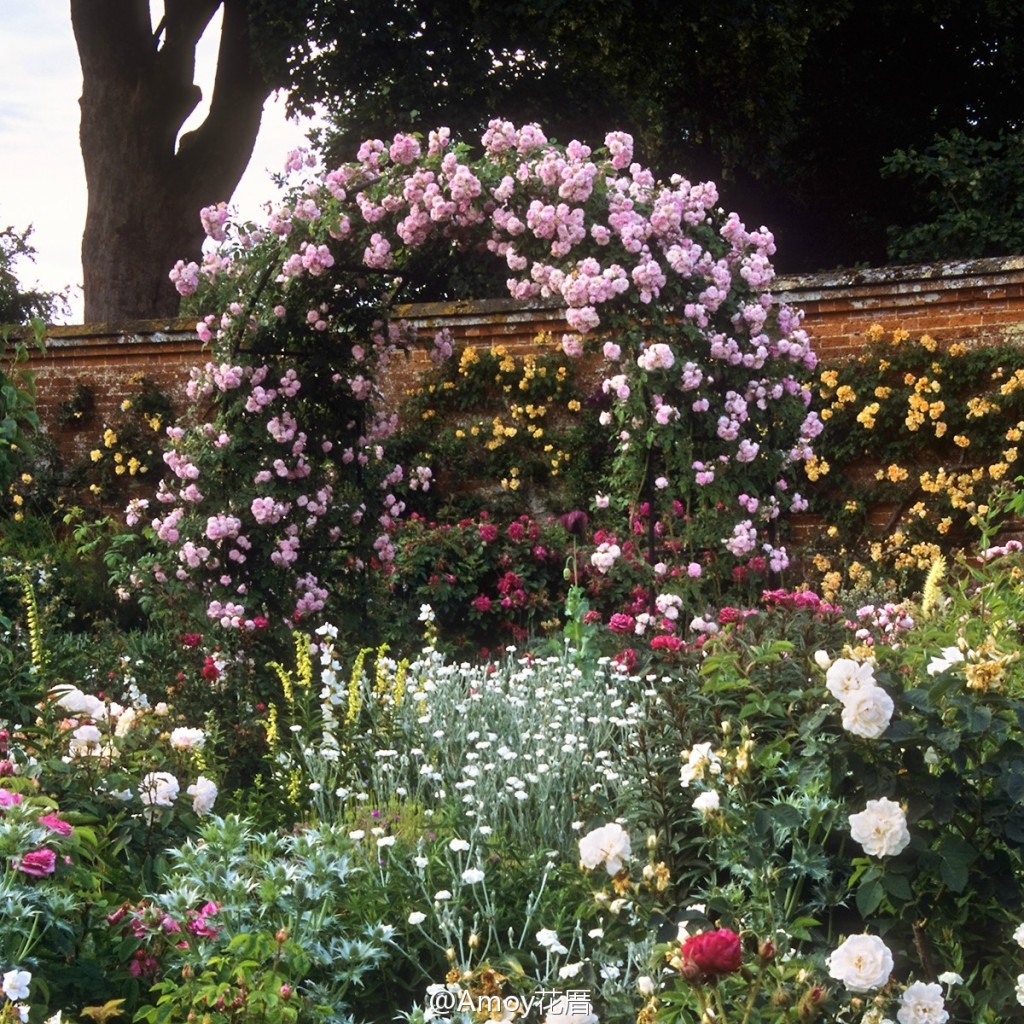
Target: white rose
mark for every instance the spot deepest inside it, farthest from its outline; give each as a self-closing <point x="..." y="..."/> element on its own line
<point x="204" y="794"/>
<point x="1018" y="935"/>
<point x="867" y="712"/>
<point x="608" y="845"/>
<point x="922" y="1004"/>
<point x="881" y="828"/>
<point x="845" y="675"/>
<point x="159" y="789"/>
<point x="1020" y="989"/>
<point x="861" y="963"/>
<point x="183" y="738"/>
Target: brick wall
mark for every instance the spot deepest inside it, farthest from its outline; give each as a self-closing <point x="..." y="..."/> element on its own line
<point x="981" y="300"/>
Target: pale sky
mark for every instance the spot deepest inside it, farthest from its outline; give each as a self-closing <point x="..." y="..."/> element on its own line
<point x="42" y="181"/>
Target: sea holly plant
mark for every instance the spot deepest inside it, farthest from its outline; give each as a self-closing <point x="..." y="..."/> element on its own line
<point x="284" y="480"/>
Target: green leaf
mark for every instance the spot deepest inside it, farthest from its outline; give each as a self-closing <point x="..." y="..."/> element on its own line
<point x="869" y="896"/>
<point x="956" y="856"/>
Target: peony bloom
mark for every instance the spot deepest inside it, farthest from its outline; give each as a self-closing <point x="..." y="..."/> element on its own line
<point x="712" y="953"/>
<point x="159" y="789"/>
<point x="608" y="845"/>
<point x="204" y="795"/>
<point x="867" y="712"/>
<point x="881" y="828"/>
<point x="922" y="1004"/>
<point x="861" y="963"/>
<point x="38" y="863"/>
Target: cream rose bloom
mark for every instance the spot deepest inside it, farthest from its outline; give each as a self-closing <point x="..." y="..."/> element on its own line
<point x="159" y="789"/>
<point x="922" y="1004"/>
<point x="881" y="828"/>
<point x="845" y="675"/>
<point x="861" y="963"/>
<point x="608" y="845"/>
<point x="867" y="712"/>
<point x="204" y="795"/>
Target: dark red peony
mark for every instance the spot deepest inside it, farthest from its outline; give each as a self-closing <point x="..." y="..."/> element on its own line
<point x="712" y="953"/>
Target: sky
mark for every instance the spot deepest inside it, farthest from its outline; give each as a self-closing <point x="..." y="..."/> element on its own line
<point x="42" y="181"/>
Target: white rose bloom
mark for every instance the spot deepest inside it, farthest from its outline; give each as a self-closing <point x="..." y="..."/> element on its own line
<point x="204" y="794"/>
<point x="881" y="828"/>
<point x="184" y="738"/>
<point x="845" y="675"/>
<point x="1018" y="935"/>
<point x="822" y="660"/>
<point x="76" y="702"/>
<point x="861" y="963"/>
<point x="159" y="789"/>
<point x="867" y="712"/>
<point x="608" y="845"/>
<point x="922" y="1004"/>
<point x="1020" y="989"/>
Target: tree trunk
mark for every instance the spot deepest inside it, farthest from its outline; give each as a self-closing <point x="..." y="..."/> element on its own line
<point x="147" y="186"/>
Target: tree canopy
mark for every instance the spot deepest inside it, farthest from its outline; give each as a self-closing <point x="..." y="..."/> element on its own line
<point x="791" y="108"/>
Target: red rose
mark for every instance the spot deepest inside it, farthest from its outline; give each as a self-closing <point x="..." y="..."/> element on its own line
<point x="38" y="863"/>
<point x="712" y="953"/>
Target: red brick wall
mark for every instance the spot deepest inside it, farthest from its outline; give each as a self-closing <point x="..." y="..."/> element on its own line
<point x="981" y="300"/>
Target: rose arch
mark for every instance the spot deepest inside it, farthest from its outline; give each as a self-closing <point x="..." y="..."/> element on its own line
<point x="280" y="486"/>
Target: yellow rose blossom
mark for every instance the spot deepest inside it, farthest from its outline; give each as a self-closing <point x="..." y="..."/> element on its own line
<point x="957" y="349"/>
<point x="846" y="394"/>
<point x="944" y="525"/>
<point x="882" y="392"/>
<point x="940" y="428"/>
<point x="866" y="417"/>
<point x="95" y="455"/>
<point x="960" y="441"/>
<point x="875" y="332"/>
<point x="998" y="470"/>
<point x="1010" y="454"/>
<point x="830" y="378"/>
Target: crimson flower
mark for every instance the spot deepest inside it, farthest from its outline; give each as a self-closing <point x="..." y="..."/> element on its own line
<point x="712" y="953"/>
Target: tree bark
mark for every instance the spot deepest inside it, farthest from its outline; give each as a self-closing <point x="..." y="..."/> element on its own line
<point x="146" y="185"/>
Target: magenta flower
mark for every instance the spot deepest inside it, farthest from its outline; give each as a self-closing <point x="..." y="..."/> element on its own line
<point x="39" y="863"/>
<point x="56" y="824"/>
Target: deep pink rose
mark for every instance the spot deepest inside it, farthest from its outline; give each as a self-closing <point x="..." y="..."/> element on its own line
<point x="621" y="623"/>
<point x="9" y="799"/>
<point x="712" y="953"/>
<point x="488" y="532"/>
<point x="38" y="863"/>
